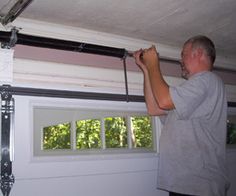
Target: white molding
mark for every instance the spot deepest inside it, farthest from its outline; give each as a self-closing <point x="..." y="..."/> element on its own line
<point x="224" y="61"/>
<point x="39" y="74"/>
<point x="231" y="92"/>
<point x="32" y="73"/>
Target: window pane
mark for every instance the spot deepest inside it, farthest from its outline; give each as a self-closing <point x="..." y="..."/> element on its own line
<point x="116" y="132"/>
<point x="88" y="134"/>
<point x="141" y="130"/>
<point x="56" y="137"/>
<point x="231" y="129"/>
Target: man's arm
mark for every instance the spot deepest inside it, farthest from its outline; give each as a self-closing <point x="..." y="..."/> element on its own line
<point x="159" y="87"/>
<point x="152" y="106"/>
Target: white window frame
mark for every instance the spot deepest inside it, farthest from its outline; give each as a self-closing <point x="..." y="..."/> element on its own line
<point x="70" y="104"/>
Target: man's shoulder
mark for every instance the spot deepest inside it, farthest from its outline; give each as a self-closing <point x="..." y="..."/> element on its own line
<point x="207" y="76"/>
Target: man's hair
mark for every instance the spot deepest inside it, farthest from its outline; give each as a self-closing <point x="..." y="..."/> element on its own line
<point x="201" y="41"/>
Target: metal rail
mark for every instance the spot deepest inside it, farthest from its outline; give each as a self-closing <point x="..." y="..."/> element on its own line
<point x="69" y="94"/>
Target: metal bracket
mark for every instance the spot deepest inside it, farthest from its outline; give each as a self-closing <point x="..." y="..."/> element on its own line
<point x="81" y="47"/>
<point x="13" y="39"/>
<point x="7" y="135"/>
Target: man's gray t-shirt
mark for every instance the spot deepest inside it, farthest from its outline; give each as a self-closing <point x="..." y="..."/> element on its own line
<point x="193" y="138"/>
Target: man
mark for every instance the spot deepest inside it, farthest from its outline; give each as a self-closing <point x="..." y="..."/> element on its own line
<point x="193" y="139"/>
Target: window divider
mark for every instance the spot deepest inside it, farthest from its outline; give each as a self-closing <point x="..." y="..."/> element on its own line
<point x="129" y="127"/>
<point x="73" y="135"/>
<point x="103" y="134"/>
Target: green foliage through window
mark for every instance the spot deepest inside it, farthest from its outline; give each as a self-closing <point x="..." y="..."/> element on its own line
<point x="56" y="137"/>
<point x="116" y="132"/>
<point x="89" y="134"/>
<point x="141" y="132"/>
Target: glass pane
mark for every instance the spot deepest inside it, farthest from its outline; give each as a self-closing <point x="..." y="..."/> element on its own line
<point x="116" y="132"/>
<point x="88" y="134"/>
<point x="141" y="130"/>
<point x="56" y="137"/>
<point x="231" y="129"/>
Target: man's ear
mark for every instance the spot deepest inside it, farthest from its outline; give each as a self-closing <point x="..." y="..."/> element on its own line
<point x="198" y="53"/>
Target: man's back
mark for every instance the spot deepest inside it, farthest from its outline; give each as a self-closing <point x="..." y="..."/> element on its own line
<point x="192" y="144"/>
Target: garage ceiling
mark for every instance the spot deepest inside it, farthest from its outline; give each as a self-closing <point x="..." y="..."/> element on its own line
<point x="168" y="22"/>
